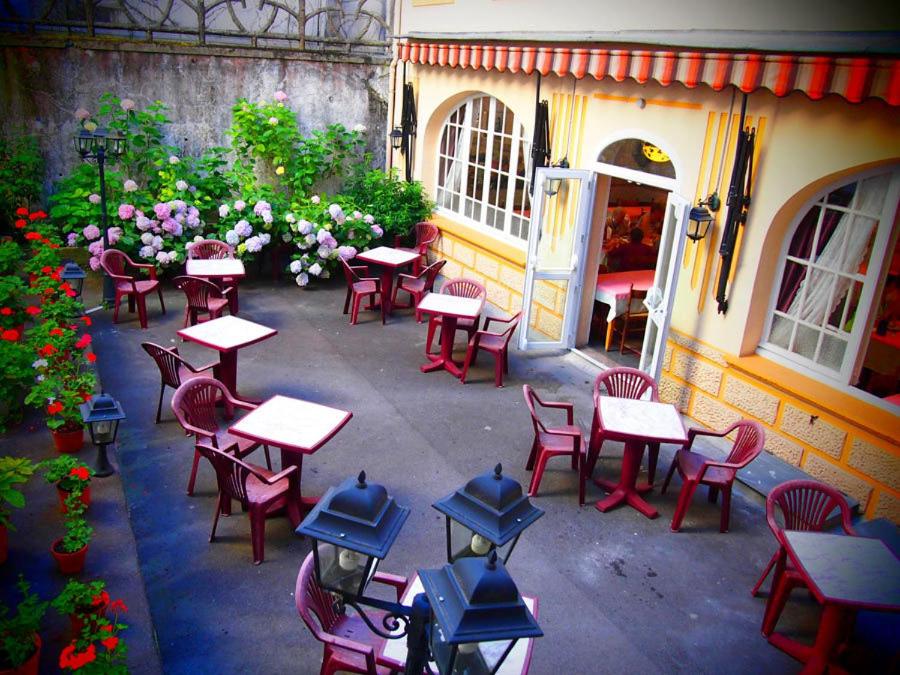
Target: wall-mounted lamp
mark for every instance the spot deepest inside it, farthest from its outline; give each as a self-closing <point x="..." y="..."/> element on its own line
<point x="396" y="136"/>
<point x="553" y="185"/>
<point x="700" y="217"/>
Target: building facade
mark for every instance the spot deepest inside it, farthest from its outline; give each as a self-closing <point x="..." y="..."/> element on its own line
<point x="645" y="105"/>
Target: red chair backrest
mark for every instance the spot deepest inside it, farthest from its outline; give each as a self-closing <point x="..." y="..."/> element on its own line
<point x="315" y="606"/>
<point x="805" y="505"/>
<point x="511" y="327"/>
<point x="113" y="262"/>
<point x="210" y="249"/>
<point x="194" y="404"/>
<point x="349" y="273"/>
<point x="464" y="288"/>
<point x="425" y="233"/>
<point x="431" y="273"/>
<point x="747" y="444"/>
<point x="625" y="383"/>
<point x="530" y="397"/>
<point x="167" y="361"/>
<point x="231" y="473"/>
<point x="197" y="291"/>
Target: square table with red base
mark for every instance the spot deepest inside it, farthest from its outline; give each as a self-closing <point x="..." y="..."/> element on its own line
<point x="388" y="259"/>
<point x="636" y="423"/>
<point x="845" y="574"/>
<point x="450" y="308"/>
<point x="297" y="427"/>
<point x="216" y="270"/>
<point x="392" y="653"/>
<point x="226" y="335"/>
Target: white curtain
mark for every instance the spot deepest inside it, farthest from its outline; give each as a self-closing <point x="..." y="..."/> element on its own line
<point x="453" y="177"/>
<point x="821" y="291"/>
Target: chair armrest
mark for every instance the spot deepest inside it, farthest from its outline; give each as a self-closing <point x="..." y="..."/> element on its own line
<point x="488" y="319"/>
<point x="359" y="268"/>
<point x="562" y="405"/>
<point x="357" y="647"/>
<point x="278" y="476"/>
<point x="565" y="432"/>
<point x="399" y="583"/>
<point x="411" y="277"/>
<point x="226" y="291"/>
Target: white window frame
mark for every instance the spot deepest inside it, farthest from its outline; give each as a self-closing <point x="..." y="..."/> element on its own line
<point x="517" y="140"/>
<point x="865" y="314"/>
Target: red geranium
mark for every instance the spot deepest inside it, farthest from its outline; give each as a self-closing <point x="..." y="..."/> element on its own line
<point x="92" y="357"/>
<point x="21" y="211"/>
<point x="81" y="473"/>
<point x="32" y="236"/>
<point x="110" y="643"/>
<point x="83" y="341"/>
<point x="6" y="311"/>
<point x="86" y="320"/>
<point x="103" y="598"/>
<point x="32" y="310"/>
<point x="57" y="332"/>
<point x="46" y="269"/>
<point x="69" y="658"/>
<point x="118" y="606"/>
<point x="10" y="335"/>
<point x="55" y="407"/>
<point x="21" y="223"/>
<point x="47" y="350"/>
<point x="36" y="215"/>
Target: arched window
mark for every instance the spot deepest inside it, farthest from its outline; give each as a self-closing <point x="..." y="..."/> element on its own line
<point x="483" y="166"/>
<point x="835" y="280"/>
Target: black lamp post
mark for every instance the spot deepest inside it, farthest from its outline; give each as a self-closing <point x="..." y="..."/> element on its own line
<point x="102" y="414"/>
<point x="487" y="514"/>
<point x="99" y="144"/>
<point x="75" y="276"/>
<point x="353" y="527"/>
<point x="700" y="217"/>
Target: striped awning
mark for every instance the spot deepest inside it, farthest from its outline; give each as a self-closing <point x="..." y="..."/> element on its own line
<point x="854" y="78"/>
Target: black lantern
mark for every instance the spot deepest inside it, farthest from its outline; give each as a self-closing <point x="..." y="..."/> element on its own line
<point x="352" y="527"/>
<point x="700" y="217"/>
<point x="488" y="513"/>
<point x="396" y="136"/>
<point x="75" y="276"/>
<point x="553" y="185"/>
<point x="102" y="414"/>
<point x="477" y="615"/>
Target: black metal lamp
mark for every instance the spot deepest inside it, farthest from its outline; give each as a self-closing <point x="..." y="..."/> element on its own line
<point x="700" y="217"/>
<point x="488" y="513"/>
<point x="554" y="185"/>
<point x="352" y="527"/>
<point x="75" y="276"/>
<point x="396" y="137"/>
<point x="477" y="615"/>
<point x="102" y="414"/>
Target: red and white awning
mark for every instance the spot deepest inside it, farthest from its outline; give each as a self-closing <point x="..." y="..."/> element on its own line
<point x="853" y="78"/>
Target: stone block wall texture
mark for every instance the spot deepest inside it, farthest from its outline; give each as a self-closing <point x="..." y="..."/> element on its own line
<point x="861" y="462"/>
<point x="41" y="87"/>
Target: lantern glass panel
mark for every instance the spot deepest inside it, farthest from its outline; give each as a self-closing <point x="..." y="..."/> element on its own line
<point x="467" y="658"/>
<point x="343" y="570"/>
<point x="104" y="431"/>
<point x="464" y="543"/>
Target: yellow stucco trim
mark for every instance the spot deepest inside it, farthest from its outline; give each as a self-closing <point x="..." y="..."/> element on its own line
<point x="842" y="406"/>
<point x="499" y="248"/>
<point x="650" y="101"/>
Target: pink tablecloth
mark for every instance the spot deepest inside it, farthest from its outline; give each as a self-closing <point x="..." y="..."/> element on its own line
<point x="613" y="288"/>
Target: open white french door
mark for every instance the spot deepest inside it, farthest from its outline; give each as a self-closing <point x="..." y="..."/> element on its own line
<point x="556" y="248"/>
<point x="661" y="296"/>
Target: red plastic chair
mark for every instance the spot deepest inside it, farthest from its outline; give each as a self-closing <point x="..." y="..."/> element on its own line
<point x="260" y="492"/>
<point x="201" y="297"/>
<point x="464" y="288"/>
<point x="696" y="469"/>
<point x="194" y="405"/>
<point x="494" y="343"/>
<point x="417" y="285"/>
<point x="173" y="369"/>
<point x="213" y="249"/>
<point x="426" y="233"/>
<point x="348" y="644"/>
<point x="554" y="441"/>
<point x="359" y="287"/>
<point x="621" y="383"/>
<point x="804" y="505"/>
<point x="115" y="263"/>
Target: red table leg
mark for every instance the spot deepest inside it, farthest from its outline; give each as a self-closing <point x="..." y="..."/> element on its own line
<point x="291" y="458"/>
<point x="228" y="375"/>
<point x="445" y="358"/>
<point x="387" y="289"/>
<point x="625" y="490"/>
<point x="833" y="626"/>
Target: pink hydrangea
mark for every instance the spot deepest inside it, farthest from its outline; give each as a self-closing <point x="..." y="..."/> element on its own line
<point x="347" y="252"/>
<point x="82" y="114"/>
<point x="172" y="226"/>
<point x="130" y="186"/>
<point x="143" y="223"/>
<point x="127" y="104"/>
<point x="261" y="207"/>
<point x="162" y="211"/>
<point x="94" y="198"/>
<point x="91" y="232"/>
<point x="147" y="252"/>
<point x="96" y="247"/>
<point x="254" y="244"/>
<point x="94" y="262"/>
<point x="239" y="205"/>
<point x="377" y="231"/>
<point x="315" y="199"/>
<point x="114" y="234"/>
<point x="71" y="238"/>
<point x="243" y="228"/>
<point x="280" y="96"/>
<point x="126" y="211"/>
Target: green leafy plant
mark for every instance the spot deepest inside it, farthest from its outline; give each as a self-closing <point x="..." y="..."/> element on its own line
<point x="21" y="171"/>
<point x="396" y="204"/>
<point x="78" y="597"/>
<point x="10" y="258"/>
<point x="68" y="472"/>
<point x="16" y="376"/>
<point x="13" y="472"/>
<point x="100" y="649"/>
<point x="12" y="301"/>
<point x="78" y="532"/>
<point x="17" y="631"/>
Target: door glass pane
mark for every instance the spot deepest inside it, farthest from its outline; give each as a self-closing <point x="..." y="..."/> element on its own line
<point x="558" y="227"/>
<point x="548" y="303"/>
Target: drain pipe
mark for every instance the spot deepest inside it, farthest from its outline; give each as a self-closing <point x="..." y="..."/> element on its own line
<point x="392" y="87"/>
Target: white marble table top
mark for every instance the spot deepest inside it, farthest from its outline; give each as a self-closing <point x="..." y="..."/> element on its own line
<point x="848" y="570"/>
<point x="516" y="662"/>
<point x="642" y="419"/>
<point x="214" y="267"/>
<point x="227" y="333"/>
<point x="451" y="305"/>
<point x="387" y="256"/>
<point x="291" y="423"/>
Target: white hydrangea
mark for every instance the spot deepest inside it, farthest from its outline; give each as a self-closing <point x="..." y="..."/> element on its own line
<point x="296" y="267"/>
<point x="240" y="205"/>
<point x="232" y="237"/>
<point x="315" y="269"/>
<point x="223" y="210"/>
<point x="147" y="238"/>
<point x="302" y="279"/>
<point x="181" y="185"/>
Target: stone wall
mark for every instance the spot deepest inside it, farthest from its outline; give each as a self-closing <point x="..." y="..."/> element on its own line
<point x="41" y="87"/>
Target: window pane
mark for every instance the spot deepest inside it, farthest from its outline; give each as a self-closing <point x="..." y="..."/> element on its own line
<point x="842" y="195"/>
<point x="831" y="354"/>
<point x="805" y="342"/>
<point x="780" y="335"/>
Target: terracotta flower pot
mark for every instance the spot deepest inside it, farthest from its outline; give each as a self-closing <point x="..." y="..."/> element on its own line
<point x="4" y="544"/>
<point x="68" y="563"/>
<point x="68" y="441"/>
<point x="64" y="495"/>
<point x="92" y="614"/>
<point x="30" y="667"/>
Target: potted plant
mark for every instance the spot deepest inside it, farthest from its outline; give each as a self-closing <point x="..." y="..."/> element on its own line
<point x="83" y="602"/>
<point x="70" y="551"/>
<point x="98" y="649"/>
<point x="20" y="644"/>
<point x="71" y="476"/>
<point x="13" y="471"/>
